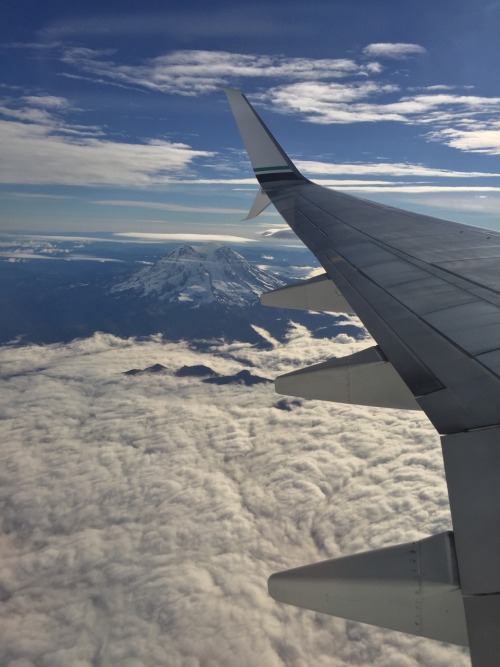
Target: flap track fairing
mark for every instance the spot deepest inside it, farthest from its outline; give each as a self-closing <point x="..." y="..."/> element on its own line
<point x="318" y="294"/>
<point x="363" y="378"/>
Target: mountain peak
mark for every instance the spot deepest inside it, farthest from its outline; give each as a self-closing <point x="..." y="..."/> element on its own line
<point x="201" y="275"/>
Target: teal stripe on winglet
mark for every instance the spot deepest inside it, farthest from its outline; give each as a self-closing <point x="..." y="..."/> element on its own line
<point x="272" y="169"/>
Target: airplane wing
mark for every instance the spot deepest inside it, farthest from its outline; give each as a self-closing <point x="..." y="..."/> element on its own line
<point x="428" y="291"/>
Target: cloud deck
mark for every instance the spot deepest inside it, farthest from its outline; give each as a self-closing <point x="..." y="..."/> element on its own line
<point x="142" y="515"/>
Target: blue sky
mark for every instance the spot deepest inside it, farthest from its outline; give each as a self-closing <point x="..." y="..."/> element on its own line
<point x="112" y="119"/>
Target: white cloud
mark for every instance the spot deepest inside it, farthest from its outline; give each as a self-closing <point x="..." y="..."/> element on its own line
<point x="322" y="91"/>
<point x="484" y="204"/>
<point x="41" y="147"/>
<point x="370" y="101"/>
<point x="181" y="236"/>
<point x="191" y="72"/>
<point x="387" y="169"/>
<point x="49" y="101"/>
<point x="465" y="122"/>
<point x="393" y="50"/>
<point x="36" y="195"/>
<point x="18" y="255"/>
<point x="378" y="186"/>
<point x="163" y="206"/>
<point x="142" y="515"/>
<point x="331" y="102"/>
<point x="28" y="115"/>
<point x="481" y="140"/>
<point x="436" y="87"/>
<point x="409" y="188"/>
<point x="44" y="148"/>
<point x="219" y="181"/>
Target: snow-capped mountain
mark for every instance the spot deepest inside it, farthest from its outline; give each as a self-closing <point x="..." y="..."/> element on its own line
<point x="198" y="294"/>
<point x="199" y="276"/>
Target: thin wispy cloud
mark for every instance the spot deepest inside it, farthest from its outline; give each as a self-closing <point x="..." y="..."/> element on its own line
<point x="163" y="206"/>
<point x="360" y="186"/>
<point x="388" y="169"/>
<point x="191" y="72"/>
<point x="422" y="188"/>
<point x="397" y="50"/>
<point x="19" y="255"/>
<point x="345" y="103"/>
<point x="43" y="147"/>
<point x="465" y="122"/>
<point x="184" y="236"/>
<point x="477" y="139"/>
<point x="48" y="101"/>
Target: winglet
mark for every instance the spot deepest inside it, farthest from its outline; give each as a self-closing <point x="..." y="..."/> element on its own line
<point x="260" y="203"/>
<point x="269" y="161"/>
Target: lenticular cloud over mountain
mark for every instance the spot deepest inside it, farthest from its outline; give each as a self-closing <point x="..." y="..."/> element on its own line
<point x="142" y="514"/>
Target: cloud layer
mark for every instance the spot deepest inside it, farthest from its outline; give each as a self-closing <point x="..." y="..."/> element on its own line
<point x="142" y="515"/>
<point x="42" y="146"/>
<point x="46" y="142"/>
<point x="191" y="72"/>
<point x="374" y="101"/>
<point x="325" y="91"/>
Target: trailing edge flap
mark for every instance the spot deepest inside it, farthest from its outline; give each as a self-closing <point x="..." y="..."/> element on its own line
<point x="363" y="378"/>
<point x="318" y="293"/>
<point x="260" y="203"/>
<point x="411" y="587"/>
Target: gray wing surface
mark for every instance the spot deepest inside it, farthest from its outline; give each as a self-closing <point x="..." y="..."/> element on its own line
<point x="428" y="291"/>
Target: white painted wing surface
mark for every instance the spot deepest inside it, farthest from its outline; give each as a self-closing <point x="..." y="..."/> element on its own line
<point x="428" y="291"/>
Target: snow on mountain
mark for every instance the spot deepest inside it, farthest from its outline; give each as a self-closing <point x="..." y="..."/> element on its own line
<point x="201" y="275"/>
